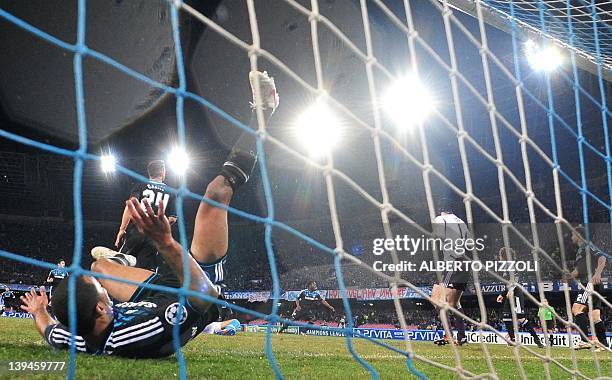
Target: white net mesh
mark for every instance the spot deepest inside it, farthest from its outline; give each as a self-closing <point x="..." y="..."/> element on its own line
<point x="479" y="86"/>
<point x="421" y="50"/>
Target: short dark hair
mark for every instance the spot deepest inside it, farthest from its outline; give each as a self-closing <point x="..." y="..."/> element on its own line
<point x="61" y="261"/>
<point x="579" y="229"/>
<point x="156" y="168"/>
<point x="444" y="205"/>
<point x="86" y="301"/>
<point x="310" y="283"/>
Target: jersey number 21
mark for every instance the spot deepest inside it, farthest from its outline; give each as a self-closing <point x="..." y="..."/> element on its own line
<point x="154" y="198"/>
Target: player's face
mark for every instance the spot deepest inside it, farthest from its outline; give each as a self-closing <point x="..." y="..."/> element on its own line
<point x="313" y="286"/>
<point x="103" y="297"/>
<point x="576" y="239"/>
<point x="61" y="264"/>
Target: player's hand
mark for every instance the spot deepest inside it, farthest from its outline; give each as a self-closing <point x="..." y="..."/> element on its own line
<point x="155" y="226"/>
<point x="332" y="310"/>
<point x="35" y="303"/>
<point x="596" y="280"/>
<point x="298" y="308"/>
<point x="50" y="279"/>
<point x="172" y="220"/>
<point x="500" y="298"/>
<point x="120" y="235"/>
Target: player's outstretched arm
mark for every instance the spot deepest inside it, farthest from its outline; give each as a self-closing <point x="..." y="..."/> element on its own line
<point x="36" y="304"/>
<point x="601" y="264"/>
<point x="125" y="221"/>
<point x="157" y="227"/>
<point x="327" y="305"/>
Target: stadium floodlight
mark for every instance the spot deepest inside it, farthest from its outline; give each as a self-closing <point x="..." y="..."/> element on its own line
<point x="107" y="163"/>
<point x="178" y="160"/>
<point x="318" y="129"/>
<point x="407" y="102"/>
<point x="546" y="58"/>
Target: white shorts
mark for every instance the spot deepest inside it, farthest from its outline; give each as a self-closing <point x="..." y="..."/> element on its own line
<point x="212" y="328"/>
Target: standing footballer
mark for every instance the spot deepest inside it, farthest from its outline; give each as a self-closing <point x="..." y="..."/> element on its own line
<point x="306" y="304"/>
<point x="447" y="225"/>
<point x="518" y="299"/>
<point x="589" y="264"/>
<point x="57" y="275"/>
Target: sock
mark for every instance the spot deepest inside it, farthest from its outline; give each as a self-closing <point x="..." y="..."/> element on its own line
<point x="600" y="331"/>
<point x="460" y="325"/>
<point x="240" y="162"/>
<point x="283" y="327"/>
<point x="510" y="328"/>
<point x="439" y="311"/>
<point x="120" y="259"/>
<point x="527" y="326"/>
<point x="551" y="338"/>
<point x="583" y="323"/>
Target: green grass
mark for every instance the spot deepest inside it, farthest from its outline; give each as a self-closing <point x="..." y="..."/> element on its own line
<point x="300" y="357"/>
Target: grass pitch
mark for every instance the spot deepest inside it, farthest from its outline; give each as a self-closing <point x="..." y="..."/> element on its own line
<point x="299" y="357"/>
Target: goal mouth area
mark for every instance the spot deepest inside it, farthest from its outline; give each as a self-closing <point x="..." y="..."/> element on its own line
<point x="373" y="190"/>
<point x="527" y="25"/>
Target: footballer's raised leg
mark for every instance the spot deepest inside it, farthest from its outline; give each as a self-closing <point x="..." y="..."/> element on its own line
<point x="210" y="237"/>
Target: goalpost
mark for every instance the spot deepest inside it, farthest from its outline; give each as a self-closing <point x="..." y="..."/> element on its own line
<point x="588" y="37"/>
<point x="519" y="18"/>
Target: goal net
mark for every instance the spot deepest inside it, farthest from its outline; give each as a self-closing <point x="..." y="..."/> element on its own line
<point x="494" y="110"/>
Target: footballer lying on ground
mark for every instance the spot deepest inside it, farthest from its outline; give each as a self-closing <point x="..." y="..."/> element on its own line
<point x="141" y="325"/>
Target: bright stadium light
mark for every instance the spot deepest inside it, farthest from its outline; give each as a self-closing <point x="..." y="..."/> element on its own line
<point x="546" y="58"/>
<point x="178" y="160"/>
<point x="107" y="163"/>
<point x="407" y="102"/>
<point x="318" y="129"/>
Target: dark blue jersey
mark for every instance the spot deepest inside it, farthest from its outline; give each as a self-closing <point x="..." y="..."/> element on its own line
<point x="310" y="298"/>
<point x="581" y="253"/>
<point x="140" y="329"/>
<point x="154" y="192"/>
<point x="587" y="251"/>
<point x="8" y="294"/>
<point x="58" y="273"/>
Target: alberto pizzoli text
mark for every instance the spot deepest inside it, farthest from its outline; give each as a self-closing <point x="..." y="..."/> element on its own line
<point x="456" y="266"/>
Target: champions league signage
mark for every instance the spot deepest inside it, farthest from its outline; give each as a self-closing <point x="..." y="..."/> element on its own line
<point x="559" y="340"/>
<point x="487" y="337"/>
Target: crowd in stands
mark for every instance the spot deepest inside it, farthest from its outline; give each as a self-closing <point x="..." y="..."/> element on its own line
<point x="47" y="240"/>
<point x="247" y="268"/>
